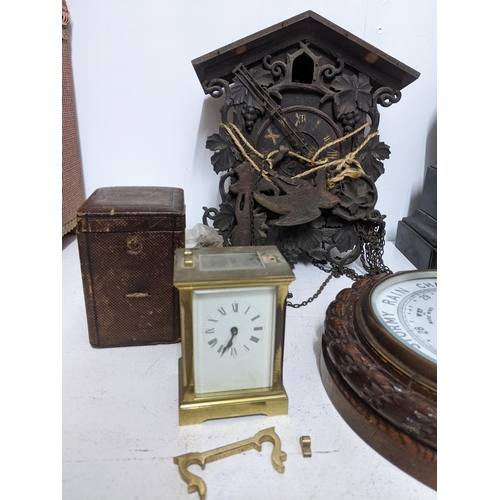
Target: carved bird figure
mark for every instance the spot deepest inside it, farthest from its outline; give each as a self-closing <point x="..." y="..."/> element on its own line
<point x="302" y="201"/>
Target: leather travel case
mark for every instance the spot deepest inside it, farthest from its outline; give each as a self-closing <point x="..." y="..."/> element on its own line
<point x="127" y="237"/>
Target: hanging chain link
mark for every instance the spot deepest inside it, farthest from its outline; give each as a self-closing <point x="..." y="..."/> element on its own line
<point x="333" y="273"/>
<point x="371" y="257"/>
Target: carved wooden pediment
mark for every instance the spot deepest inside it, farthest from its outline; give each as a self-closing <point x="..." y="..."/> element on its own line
<point x="325" y="36"/>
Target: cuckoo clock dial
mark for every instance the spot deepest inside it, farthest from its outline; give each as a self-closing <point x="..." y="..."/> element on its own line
<point x="314" y="125"/>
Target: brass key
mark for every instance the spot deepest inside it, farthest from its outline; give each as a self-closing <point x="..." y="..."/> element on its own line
<point x="201" y="458"/>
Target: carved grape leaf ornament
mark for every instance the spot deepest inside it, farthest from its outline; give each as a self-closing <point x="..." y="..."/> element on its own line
<point x="371" y="157"/>
<point x="225" y="155"/>
<point x="352" y="93"/>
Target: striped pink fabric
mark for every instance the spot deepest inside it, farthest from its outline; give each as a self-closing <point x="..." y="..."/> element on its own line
<point x="72" y="178"/>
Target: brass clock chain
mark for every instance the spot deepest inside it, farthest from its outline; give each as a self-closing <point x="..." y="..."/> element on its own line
<point x="373" y="247"/>
<point x="334" y="273"/>
<point x="371" y="258"/>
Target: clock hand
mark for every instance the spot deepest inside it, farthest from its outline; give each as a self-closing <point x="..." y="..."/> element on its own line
<point x="234" y="331"/>
<point x="262" y="96"/>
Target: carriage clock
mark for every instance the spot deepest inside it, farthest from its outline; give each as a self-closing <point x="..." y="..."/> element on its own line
<point x="297" y="150"/>
<point x="379" y="366"/>
<point x="232" y="303"/>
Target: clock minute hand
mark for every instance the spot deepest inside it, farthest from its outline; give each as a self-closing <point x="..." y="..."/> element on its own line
<point x="262" y="97"/>
<point x="234" y="331"/>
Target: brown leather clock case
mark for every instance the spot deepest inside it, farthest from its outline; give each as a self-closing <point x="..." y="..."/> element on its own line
<point x="127" y="237"/>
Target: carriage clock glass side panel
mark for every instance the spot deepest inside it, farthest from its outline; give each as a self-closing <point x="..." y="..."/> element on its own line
<point x="406" y="306"/>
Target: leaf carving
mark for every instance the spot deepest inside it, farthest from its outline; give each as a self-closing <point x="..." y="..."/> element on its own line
<point x="371" y="157"/>
<point x="308" y="238"/>
<point x="354" y="196"/>
<point x="345" y="238"/>
<point x="225" y="155"/>
<point x="352" y="93"/>
<point x="224" y="219"/>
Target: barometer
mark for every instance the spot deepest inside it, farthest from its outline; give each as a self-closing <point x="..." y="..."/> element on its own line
<point x="379" y="366"/>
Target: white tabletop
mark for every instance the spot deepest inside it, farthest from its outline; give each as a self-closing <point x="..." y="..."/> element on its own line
<point x="120" y="417"/>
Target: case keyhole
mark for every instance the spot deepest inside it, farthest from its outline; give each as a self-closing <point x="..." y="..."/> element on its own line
<point x="134" y="246"/>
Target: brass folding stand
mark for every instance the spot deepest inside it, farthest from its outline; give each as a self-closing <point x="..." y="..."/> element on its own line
<point x="195" y="483"/>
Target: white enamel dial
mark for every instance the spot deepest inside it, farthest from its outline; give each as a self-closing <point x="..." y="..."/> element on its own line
<point x="233" y="344"/>
<point x="406" y="305"/>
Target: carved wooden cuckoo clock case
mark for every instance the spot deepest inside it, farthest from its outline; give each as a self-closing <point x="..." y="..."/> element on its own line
<point x="297" y="150"/>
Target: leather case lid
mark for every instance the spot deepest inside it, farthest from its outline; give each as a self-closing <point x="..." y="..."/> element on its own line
<point x="133" y="200"/>
<point x="133" y="208"/>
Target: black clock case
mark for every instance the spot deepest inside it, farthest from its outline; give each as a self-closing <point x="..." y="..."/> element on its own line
<point x="416" y="236"/>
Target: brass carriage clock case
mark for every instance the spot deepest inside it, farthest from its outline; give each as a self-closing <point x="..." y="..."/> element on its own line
<point x="232" y="303"/>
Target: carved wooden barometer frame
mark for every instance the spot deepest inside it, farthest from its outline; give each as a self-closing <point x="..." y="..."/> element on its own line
<point x="377" y="373"/>
<point x="298" y="151"/>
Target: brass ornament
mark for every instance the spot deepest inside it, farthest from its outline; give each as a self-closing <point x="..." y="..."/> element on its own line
<point x="195" y="483"/>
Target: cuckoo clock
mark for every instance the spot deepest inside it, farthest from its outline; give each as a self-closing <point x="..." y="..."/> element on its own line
<point x="298" y="150"/>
